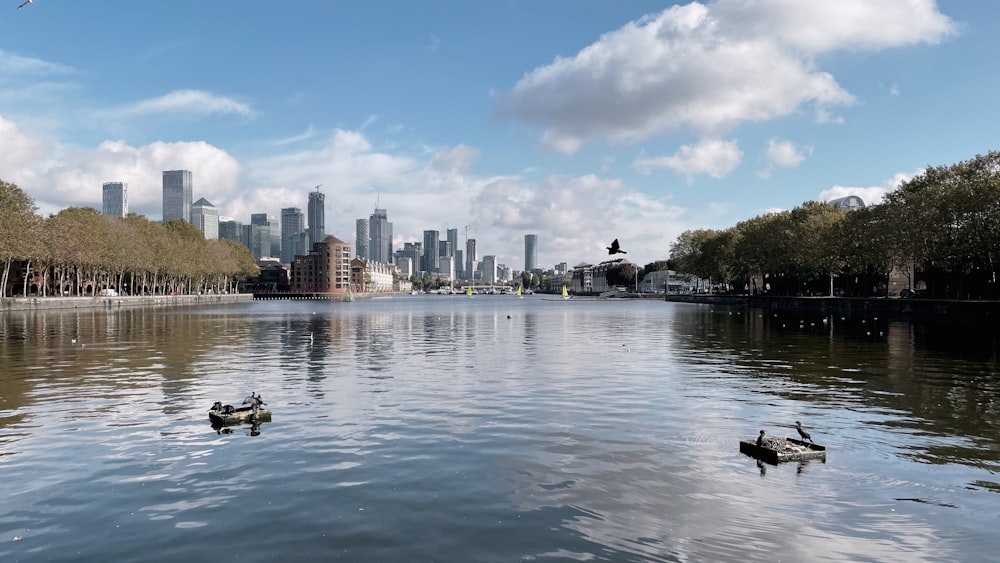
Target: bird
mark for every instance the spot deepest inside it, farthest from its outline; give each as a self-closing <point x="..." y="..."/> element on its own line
<point x="615" y="248"/>
<point x="802" y="432"/>
<point x="255" y="401"/>
<point x="25" y="3"/>
<point x="760" y="439"/>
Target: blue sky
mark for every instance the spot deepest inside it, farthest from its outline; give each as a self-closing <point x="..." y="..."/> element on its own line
<point x="577" y="121"/>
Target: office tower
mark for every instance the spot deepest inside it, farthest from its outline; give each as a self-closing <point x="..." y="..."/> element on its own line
<point x="380" y="237"/>
<point x="258" y="239"/>
<point x="452" y="236"/>
<point x="530" y="252"/>
<point x="460" y="265"/>
<point x="489" y="268"/>
<point x="411" y="252"/>
<point x="471" y="257"/>
<point x="430" y="260"/>
<point x="445" y="249"/>
<point x="293" y="224"/>
<point x="115" y="199"/>
<point x="317" y="216"/>
<point x="177" y="192"/>
<point x="205" y="216"/>
<point x="231" y="229"/>
<point x="273" y="227"/>
<point x="361" y="238"/>
<point x="446" y="266"/>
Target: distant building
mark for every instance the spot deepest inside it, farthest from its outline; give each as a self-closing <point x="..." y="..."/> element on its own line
<point x="849" y="203"/>
<point x="431" y="251"/>
<point x="258" y="239"/>
<point x="371" y="277"/>
<point x="177" y="194"/>
<point x="488" y="269"/>
<point x="471" y="258"/>
<point x="408" y="258"/>
<point x="452" y="236"/>
<point x="230" y="229"/>
<point x="530" y="253"/>
<point x="273" y="226"/>
<point x="361" y="238"/>
<point x="380" y="237"/>
<point x="205" y="216"/>
<point x="317" y="217"/>
<point x="446" y="267"/>
<point x="293" y="227"/>
<point x="326" y="269"/>
<point x="115" y="199"/>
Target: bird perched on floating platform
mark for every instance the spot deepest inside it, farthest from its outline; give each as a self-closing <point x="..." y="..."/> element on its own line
<point x="255" y="401"/>
<point x="802" y="432"/>
<point x="760" y="439"/>
<point x="615" y="248"/>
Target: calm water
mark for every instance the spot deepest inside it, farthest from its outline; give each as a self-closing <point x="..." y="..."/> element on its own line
<point x="437" y="428"/>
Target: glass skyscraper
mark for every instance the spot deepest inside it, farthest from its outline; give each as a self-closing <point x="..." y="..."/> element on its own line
<point x="361" y="238"/>
<point x="115" y="199"/>
<point x="530" y="252"/>
<point x="380" y="237"/>
<point x="205" y="216"/>
<point x="293" y="224"/>
<point x="431" y="256"/>
<point x="317" y="217"/>
<point x="177" y="195"/>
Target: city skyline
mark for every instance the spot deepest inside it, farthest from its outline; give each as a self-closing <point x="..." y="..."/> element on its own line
<point x="627" y="120"/>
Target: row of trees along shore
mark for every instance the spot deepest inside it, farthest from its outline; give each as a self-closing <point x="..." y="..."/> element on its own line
<point x="940" y="229"/>
<point x="80" y="251"/>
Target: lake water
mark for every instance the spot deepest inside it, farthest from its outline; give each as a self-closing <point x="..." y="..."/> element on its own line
<point x="438" y="428"/>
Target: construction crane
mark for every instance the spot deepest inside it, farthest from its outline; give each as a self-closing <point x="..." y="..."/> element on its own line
<point x="318" y="187"/>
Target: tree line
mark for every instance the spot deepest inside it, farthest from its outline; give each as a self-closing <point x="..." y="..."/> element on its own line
<point x="80" y="251"/>
<point x="939" y="230"/>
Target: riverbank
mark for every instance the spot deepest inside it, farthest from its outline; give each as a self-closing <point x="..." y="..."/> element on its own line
<point x="848" y="307"/>
<point x="10" y="304"/>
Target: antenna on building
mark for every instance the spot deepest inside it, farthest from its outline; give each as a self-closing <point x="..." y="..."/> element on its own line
<point x="378" y="196"/>
<point x="318" y="187"/>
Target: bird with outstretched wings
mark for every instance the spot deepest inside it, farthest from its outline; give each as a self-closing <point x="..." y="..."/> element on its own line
<point x="25" y="3"/>
<point x="615" y="248"/>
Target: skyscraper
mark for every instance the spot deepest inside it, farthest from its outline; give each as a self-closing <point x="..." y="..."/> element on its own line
<point x="452" y="236"/>
<point x="230" y="229"/>
<point x="471" y="257"/>
<point x="205" y="216"/>
<point x="293" y="224"/>
<point x="115" y="199"/>
<point x="530" y="252"/>
<point x="273" y="228"/>
<point x="177" y="192"/>
<point x="317" y="216"/>
<point x="380" y="237"/>
<point x="430" y="259"/>
<point x="361" y="238"/>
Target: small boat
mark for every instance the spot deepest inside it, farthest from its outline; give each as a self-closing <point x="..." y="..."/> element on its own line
<point x="468" y="292"/>
<point x="519" y="294"/>
<point x="226" y="415"/>
<point x="565" y="293"/>
<point x="775" y="450"/>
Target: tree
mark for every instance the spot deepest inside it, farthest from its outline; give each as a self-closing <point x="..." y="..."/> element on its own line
<point x="18" y="230"/>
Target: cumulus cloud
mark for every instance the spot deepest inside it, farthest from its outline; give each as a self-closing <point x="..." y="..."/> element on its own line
<point x="192" y="102"/>
<point x="783" y="154"/>
<point x="870" y="194"/>
<point x="455" y="159"/>
<point x="714" y="157"/>
<point x="710" y="67"/>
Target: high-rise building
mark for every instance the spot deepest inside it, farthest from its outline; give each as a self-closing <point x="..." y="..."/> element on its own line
<point x="230" y="229"/>
<point x="293" y="224"/>
<point x="258" y="239"/>
<point x="361" y="238"/>
<point x="530" y="253"/>
<point x="178" y="188"/>
<point x="471" y="258"/>
<point x="325" y="269"/>
<point x="317" y="216"/>
<point x="460" y="265"/>
<point x="411" y="253"/>
<point x="489" y="269"/>
<point x="430" y="260"/>
<point x="273" y="228"/>
<point x="445" y="249"/>
<point x="205" y="216"/>
<point x="380" y="237"/>
<point x="115" y="199"/>
<point x="452" y="236"/>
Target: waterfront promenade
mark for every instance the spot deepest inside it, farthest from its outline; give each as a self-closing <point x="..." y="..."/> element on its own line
<point x="119" y="301"/>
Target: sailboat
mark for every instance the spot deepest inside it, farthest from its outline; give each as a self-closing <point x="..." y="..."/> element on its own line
<point x="348" y="296"/>
<point x="468" y="292"/>
<point x="519" y="292"/>
<point x="565" y="293"/>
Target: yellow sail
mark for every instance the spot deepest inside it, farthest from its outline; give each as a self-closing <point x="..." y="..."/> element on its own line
<point x="468" y="291"/>
<point x="565" y="293"/>
<point x="519" y="291"/>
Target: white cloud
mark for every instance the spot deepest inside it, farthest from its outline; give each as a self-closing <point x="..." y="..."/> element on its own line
<point x="194" y="102"/>
<point x="456" y="159"/>
<point x="783" y="154"/>
<point x="871" y="194"/>
<point x="714" y="157"/>
<point x="710" y="67"/>
<point x="11" y="64"/>
<point x="309" y="133"/>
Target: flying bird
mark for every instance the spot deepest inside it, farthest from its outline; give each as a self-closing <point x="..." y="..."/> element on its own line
<point x="25" y="3"/>
<point x="802" y="432"/>
<point x="615" y="248"/>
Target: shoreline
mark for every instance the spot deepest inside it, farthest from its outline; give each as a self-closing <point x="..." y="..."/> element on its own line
<point x="17" y="304"/>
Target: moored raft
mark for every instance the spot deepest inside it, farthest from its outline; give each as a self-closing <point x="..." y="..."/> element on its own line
<point x="775" y="450"/>
<point x="226" y="415"/>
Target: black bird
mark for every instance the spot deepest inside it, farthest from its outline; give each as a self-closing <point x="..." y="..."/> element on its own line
<point x="760" y="439"/>
<point x="805" y="435"/>
<point x="255" y="401"/>
<point x="615" y="248"/>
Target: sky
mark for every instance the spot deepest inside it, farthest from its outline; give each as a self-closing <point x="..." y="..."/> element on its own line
<point x="578" y="121"/>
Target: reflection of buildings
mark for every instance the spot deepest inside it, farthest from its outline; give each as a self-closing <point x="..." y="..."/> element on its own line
<point x="326" y="269"/>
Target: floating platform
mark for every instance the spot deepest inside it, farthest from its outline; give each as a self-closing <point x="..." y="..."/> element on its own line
<point x="227" y="415"/>
<point x="776" y="450"/>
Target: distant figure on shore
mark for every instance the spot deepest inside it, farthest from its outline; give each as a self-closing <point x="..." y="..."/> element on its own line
<point x="615" y="248"/>
<point x="802" y="432"/>
<point x="760" y="440"/>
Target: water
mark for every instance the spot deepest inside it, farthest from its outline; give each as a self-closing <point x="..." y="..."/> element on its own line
<point x="437" y="428"/>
